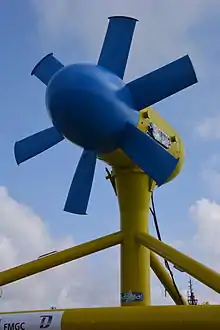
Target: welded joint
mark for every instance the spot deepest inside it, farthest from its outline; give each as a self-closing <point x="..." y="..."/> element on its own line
<point x="152" y="185"/>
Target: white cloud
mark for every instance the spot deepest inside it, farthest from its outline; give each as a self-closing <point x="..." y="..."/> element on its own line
<point x="24" y="236"/>
<point x="206" y="215"/>
<point x="206" y="246"/>
<point x="210" y="174"/>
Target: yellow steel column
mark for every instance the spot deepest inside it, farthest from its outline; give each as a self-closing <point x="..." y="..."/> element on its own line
<point x="134" y="201"/>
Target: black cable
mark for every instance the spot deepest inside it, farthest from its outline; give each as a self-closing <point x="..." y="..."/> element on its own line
<point x="112" y="180"/>
<point x="153" y="212"/>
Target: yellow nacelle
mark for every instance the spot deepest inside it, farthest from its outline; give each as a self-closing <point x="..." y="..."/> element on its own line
<point x="147" y="116"/>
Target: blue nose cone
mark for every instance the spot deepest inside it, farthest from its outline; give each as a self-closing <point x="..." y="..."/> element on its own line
<point x="90" y="106"/>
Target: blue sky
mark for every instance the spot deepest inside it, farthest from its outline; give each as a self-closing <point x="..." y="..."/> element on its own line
<point x="30" y="29"/>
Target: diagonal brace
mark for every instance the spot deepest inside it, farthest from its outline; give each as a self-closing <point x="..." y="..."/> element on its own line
<point x="165" y="279"/>
<point x="194" y="268"/>
<point x="59" y="258"/>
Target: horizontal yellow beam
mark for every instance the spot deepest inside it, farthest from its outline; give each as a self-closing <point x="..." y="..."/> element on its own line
<point x="201" y="317"/>
<point x="194" y="268"/>
<point x="59" y="258"/>
<point x="142" y="318"/>
<point x="165" y="279"/>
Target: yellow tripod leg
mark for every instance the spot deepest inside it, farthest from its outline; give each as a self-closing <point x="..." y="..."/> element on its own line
<point x="194" y="268"/>
<point x="165" y="279"/>
<point x="134" y="199"/>
<point x="59" y="258"/>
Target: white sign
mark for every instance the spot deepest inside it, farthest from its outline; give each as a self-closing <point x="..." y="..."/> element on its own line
<point x="31" y="321"/>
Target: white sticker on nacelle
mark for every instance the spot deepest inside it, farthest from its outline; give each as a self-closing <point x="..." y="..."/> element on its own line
<point x="31" y="321"/>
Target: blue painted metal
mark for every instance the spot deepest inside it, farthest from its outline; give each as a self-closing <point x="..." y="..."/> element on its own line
<point x="83" y="102"/>
<point x="92" y="107"/>
<point x="80" y="189"/>
<point x="36" y="143"/>
<point x="46" y="68"/>
<point x="149" y="155"/>
<point x="163" y="82"/>
<point x="117" y="43"/>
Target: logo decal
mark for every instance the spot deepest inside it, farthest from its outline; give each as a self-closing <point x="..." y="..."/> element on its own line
<point x="131" y="296"/>
<point x="45" y="321"/>
<point x="157" y="134"/>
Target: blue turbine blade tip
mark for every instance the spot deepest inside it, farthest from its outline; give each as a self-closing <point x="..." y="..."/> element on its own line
<point x="80" y="189"/>
<point x="46" y="68"/>
<point x="37" y="66"/>
<point x="117" y="42"/>
<point x="123" y="17"/>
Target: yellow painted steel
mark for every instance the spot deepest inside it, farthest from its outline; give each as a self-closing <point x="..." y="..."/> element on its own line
<point x="194" y="268"/>
<point x="134" y="201"/>
<point x="200" y="317"/>
<point x="147" y="115"/>
<point x="165" y="279"/>
<point x="59" y="258"/>
<point x="142" y="318"/>
<point x="177" y="148"/>
<point x="134" y="189"/>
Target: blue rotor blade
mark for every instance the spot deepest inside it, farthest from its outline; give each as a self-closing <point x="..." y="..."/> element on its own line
<point x="33" y="145"/>
<point x="117" y="43"/>
<point x="149" y="155"/>
<point x="46" y="68"/>
<point x="163" y="82"/>
<point x="80" y="189"/>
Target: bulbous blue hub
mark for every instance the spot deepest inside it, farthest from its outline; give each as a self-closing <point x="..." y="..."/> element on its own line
<point x="90" y="106"/>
